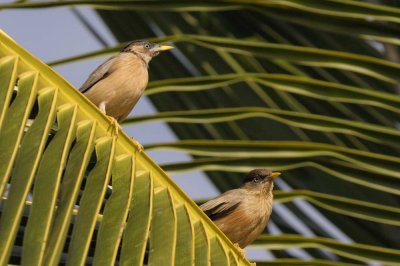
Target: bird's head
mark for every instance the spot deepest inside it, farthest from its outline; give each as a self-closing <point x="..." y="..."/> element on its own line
<point x="260" y="179"/>
<point x="145" y="50"/>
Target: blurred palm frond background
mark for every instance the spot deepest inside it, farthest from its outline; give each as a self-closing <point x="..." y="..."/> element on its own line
<point x="309" y="88"/>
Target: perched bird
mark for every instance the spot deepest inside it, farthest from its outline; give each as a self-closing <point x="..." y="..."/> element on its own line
<point x="116" y="85"/>
<point x="243" y="213"/>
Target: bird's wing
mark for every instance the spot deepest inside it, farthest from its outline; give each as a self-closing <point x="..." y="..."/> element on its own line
<point x="223" y="204"/>
<point x="98" y="74"/>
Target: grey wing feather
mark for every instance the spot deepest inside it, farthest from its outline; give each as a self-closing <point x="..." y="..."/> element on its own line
<point x="222" y="205"/>
<point x="98" y="74"/>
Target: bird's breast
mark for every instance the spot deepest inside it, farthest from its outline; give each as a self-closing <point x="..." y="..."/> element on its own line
<point x="126" y="84"/>
<point x="247" y="221"/>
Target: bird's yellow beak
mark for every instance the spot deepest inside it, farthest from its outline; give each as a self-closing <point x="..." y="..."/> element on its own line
<point x="165" y="48"/>
<point x="275" y="175"/>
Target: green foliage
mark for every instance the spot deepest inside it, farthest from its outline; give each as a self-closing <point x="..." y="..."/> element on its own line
<point x="306" y="87"/>
<point x="73" y="193"/>
<point x="309" y="88"/>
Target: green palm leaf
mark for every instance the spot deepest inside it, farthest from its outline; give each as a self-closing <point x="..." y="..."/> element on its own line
<point x="306" y="87"/>
<point x="355" y="251"/>
<point x="69" y="158"/>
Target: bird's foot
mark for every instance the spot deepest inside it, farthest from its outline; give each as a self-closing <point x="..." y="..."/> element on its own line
<point x="115" y="127"/>
<point x="242" y="251"/>
<point x="138" y="146"/>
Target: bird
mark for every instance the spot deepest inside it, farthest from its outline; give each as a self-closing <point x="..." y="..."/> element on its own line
<point x="243" y="213"/>
<point x="117" y="84"/>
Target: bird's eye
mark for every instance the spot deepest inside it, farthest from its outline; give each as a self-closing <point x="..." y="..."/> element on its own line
<point x="147" y="46"/>
<point x="256" y="179"/>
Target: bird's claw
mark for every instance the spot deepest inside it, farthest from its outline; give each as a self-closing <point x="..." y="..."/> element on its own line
<point x="138" y="146"/>
<point x="242" y="251"/>
<point x="115" y="127"/>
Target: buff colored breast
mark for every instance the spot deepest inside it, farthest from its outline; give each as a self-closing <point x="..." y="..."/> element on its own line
<point x="247" y="221"/>
<point x="123" y="86"/>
